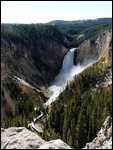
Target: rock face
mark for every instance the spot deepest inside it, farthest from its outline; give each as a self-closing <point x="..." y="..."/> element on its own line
<point x="93" y="50"/>
<point x="22" y="138"/>
<point x="37" y="65"/>
<point x="104" y="137"/>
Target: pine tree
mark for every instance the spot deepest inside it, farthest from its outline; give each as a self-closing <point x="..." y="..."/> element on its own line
<point x="69" y="138"/>
<point x="81" y="130"/>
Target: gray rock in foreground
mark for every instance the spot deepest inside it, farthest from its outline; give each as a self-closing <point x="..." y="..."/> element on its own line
<point x="104" y="137"/>
<point x="22" y="138"/>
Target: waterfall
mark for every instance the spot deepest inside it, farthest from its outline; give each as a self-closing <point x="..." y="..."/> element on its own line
<point x="68" y="60"/>
<point x="67" y="73"/>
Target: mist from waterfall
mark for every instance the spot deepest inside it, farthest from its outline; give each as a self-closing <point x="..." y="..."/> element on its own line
<point x="67" y="73"/>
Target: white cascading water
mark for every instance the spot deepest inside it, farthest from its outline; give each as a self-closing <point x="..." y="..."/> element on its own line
<point x="66" y="74"/>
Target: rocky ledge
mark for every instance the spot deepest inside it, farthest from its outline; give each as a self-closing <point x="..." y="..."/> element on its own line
<point x="22" y="138"/>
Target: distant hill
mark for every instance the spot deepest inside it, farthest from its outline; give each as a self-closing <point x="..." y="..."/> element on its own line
<point x="62" y="22"/>
<point x="82" y="30"/>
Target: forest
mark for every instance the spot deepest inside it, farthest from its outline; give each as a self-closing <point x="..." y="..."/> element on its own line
<point x="80" y="110"/>
<point x="65" y="33"/>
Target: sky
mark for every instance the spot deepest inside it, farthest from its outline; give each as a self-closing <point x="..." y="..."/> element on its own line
<point x="45" y="11"/>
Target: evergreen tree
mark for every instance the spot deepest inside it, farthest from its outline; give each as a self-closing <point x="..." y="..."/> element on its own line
<point x="81" y="130"/>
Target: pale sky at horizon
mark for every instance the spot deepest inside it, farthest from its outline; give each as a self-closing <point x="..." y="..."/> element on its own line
<point x="45" y="11"/>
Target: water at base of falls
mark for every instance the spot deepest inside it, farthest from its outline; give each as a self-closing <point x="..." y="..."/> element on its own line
<point x="66" y="74"/>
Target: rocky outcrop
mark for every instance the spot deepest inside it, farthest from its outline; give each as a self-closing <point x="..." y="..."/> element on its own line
<point x="104" y="46"/>
<point x="104" y="137"/>
<point x="22" y="138"/>
<point x="93" y="50"/>
<point x="106" y="80"/>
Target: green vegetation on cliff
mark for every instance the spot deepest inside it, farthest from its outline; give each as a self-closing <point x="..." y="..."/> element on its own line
<point x="81" y="108"/>
<point x="28" y="34"/>
<point x="24" y="107"/>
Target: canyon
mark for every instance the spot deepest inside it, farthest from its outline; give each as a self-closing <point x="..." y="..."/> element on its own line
<point x="41" y="71"/>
